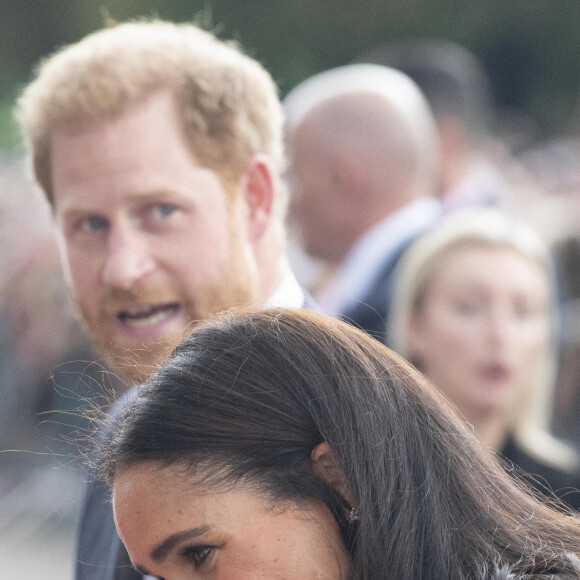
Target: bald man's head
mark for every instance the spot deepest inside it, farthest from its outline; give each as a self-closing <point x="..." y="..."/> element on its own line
<point x="358" y="153"/>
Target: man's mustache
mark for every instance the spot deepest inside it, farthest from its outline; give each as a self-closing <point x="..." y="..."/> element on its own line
<point x="119" y="299"/>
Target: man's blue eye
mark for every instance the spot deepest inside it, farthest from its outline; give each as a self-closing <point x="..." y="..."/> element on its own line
<point x="95" y="223"/>
<point x="163" y="209"/>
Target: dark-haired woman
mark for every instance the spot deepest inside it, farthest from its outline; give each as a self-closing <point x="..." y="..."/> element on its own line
<point x="287" y="445"/>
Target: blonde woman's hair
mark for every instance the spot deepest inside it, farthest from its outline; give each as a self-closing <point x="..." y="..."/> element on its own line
<point x="488" y="228"/>
<point x="228" y="103"/>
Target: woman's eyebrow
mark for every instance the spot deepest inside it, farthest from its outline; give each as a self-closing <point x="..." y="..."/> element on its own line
<point x="161" y="551"/>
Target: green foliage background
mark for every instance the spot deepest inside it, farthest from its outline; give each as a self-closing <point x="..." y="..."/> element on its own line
<point x="530" y="47"/>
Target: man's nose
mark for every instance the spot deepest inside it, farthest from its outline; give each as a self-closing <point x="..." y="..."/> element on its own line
<point x="128" y="258"/>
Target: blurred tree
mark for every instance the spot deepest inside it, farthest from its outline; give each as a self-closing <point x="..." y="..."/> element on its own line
<point x="528" y="46"/>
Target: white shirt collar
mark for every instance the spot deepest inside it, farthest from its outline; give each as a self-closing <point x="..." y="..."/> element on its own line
<point x="289" y="294"/>
<point x="363" y="262"/>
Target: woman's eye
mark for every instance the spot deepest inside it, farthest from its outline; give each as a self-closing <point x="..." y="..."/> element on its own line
<point x="197" y="555"/>
<point x="467" y="307"/>
<point x="527" y="311"/>
<point x="522" y="312"/>
<point x="163" y="210"/>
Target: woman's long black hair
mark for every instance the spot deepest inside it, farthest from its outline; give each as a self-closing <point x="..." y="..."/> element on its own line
<point x="249" y="396"/>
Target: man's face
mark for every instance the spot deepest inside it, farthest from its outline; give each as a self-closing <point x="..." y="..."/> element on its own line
<point x="151" y="241"/>
<point x="321" y="211"/>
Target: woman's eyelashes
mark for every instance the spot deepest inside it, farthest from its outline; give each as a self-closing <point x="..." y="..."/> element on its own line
<point x="197" y="555"/>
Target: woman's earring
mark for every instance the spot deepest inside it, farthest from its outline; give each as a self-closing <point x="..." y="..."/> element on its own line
<point x="353" y="515"/>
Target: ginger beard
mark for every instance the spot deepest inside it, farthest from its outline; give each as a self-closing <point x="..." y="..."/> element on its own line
<point x="233" y="283"/>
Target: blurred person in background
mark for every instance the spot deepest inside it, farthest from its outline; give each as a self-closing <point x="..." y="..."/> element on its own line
<point x="363" y="169"/>
<point x="28" y="299"/>
<point x="48" y="373"/>
<point x="39" y="330"/>
<point x="457" y="89"/>
<point x="475" y="311"/>
<point x="160" y="150"/>
<point x="555" y="165"/>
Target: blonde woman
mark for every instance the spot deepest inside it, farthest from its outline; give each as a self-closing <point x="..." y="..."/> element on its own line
<point x="474" y="311"/>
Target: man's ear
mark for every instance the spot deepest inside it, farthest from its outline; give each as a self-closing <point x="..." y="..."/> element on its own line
<point x="351" y="179"/>
<point x="326" y="466"/>
<point x="258" y="191"/>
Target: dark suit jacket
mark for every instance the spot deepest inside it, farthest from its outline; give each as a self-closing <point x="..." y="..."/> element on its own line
<point x="546" y="480"/>
<point x="100" y="553"/>
<point x="371" y="314"/>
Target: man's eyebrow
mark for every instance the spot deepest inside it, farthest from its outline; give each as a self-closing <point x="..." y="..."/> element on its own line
<point x="70" y="206"/>
<point x="161" y="551"/>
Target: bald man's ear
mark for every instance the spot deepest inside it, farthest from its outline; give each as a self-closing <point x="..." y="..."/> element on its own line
<point x="325" y="465"/>
<point x="258" y="191"/>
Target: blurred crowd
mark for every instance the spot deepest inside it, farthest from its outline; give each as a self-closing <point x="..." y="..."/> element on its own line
<point x="369" y="179"/>
<point x="484" y="158"/>
<point x="51" y="380"/>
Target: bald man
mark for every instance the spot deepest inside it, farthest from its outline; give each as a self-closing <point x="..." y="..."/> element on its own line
<point x="363" y="172"/>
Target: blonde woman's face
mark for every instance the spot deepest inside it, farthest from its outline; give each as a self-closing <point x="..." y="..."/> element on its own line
<point x="482" y="328"/>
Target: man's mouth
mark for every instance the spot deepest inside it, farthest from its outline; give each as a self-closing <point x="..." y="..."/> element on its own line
<point x="144" y="315"/>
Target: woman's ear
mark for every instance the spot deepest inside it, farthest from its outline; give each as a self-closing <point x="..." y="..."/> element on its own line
<point x="326" y="466"/>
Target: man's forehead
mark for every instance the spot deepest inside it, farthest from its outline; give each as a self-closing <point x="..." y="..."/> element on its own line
<point x="159" y="105"/>
<point x="145" y="137"/>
